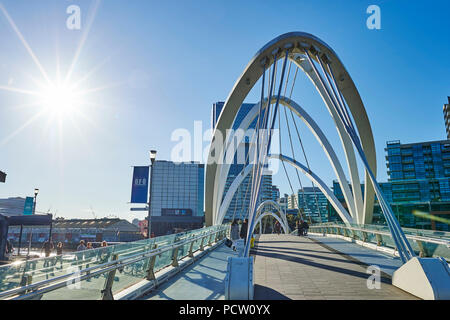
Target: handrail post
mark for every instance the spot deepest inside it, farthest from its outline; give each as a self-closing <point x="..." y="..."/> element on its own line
<point x="365" y="236"/>
<point x="423" y="250"/>
<point x="151" y="266"/>
<point x="345" y="232"/>
<point x="175" y="257"/>
<point x="191" y="254"/>
<point x="210" y="240"/>
<point x="107" y="289"/>
<point x="202" y="248"/>
<point x="379" y="240"/>
<point x="25" y="281"/>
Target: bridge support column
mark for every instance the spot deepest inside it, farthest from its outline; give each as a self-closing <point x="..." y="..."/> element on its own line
<point x="107" y="289"/>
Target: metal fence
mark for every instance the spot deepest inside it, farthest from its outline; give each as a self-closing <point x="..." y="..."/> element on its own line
<point x="425" y="243"/>
<point x="103" y="272"/>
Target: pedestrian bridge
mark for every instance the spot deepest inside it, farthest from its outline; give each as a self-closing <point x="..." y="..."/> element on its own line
<point x="330" y="263"/>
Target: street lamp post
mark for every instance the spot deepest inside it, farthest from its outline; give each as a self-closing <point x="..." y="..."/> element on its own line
<point x="36" y="191"/>
<point x="152" y="159"/>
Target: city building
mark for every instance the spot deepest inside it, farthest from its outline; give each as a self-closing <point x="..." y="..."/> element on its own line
<point x="314" y="204"/>
<point x="239" y="205"/>
<point x="306" y="200"/>
<point x="71" y="231"/>
<point x="283" y="201"/>
<point x="419" y="171"/>
<point x="177" y="196"/>
<point x="275" y="193"/>
<point x="446" y="111"/>
<point x="418" y="184"/>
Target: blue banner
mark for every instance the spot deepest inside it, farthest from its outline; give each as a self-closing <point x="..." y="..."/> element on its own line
<point x="139" y="189"/>
<point x="28" y="207"/>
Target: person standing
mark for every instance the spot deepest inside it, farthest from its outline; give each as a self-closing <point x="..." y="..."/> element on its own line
<point x="59" y="252"/>
<point x="243" y="232"/>
<point x="47" y="247"/>
<point x="300" y="227"/>
<point x="277" y="227"/>
<point x="234" y="233"/>
<point x="9" y="247"/>
<point x="305" y="228"/>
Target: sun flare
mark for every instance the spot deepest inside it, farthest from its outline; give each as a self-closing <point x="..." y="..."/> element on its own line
<point x="60" y="99"/>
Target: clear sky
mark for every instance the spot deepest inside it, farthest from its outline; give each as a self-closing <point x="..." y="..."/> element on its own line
<point x="155" y="66"/>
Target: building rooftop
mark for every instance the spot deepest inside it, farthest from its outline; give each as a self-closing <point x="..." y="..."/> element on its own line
<point x="86" y="223"/>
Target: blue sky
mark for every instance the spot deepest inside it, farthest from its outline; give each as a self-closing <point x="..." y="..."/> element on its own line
<point x="160" y="66"/>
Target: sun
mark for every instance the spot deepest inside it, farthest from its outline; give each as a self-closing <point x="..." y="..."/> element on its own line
<point x="60" y="99"/>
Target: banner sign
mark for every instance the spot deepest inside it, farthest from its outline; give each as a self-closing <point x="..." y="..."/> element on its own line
<point x="28" y="207"/>
<point x="139" y="189"/>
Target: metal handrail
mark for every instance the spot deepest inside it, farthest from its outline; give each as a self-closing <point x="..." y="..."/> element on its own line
<point x="105" y="267"/>
<point x="380" y="232"/>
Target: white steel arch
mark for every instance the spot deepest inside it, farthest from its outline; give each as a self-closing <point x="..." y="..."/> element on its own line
<point x="295" y="43"/>
<point x="269" y="213"/>
<point x="320" y="184"/>
<point x="318" y="134"/>
<point x="274" y="205"/>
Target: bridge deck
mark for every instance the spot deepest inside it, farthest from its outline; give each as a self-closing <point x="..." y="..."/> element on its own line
<point x="204" y="280"/>
<point x="292" y="267"/>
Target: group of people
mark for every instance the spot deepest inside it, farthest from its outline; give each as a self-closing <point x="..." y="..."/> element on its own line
<point x="238" y="233"/>
<point x="302" y="228"/>
<point x="48" y="247"/>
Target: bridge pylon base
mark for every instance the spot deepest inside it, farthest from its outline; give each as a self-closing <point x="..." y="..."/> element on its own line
<point x="426" y="278"/>
<point x="239" y="279"/>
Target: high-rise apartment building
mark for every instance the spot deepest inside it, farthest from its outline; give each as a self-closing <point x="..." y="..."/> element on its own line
<point x="419" y="171"/>
<point x="307" y="200"/>
<point x="240" y="203"/>
<point x="447" y="117"/>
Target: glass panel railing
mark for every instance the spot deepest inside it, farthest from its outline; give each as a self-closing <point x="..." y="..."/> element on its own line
<point x="39" y="270"/>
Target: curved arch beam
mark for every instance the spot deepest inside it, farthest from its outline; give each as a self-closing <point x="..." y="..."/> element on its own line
<point x="230" y="193"/>
<point x="275" y="206"/>
<point x="318" y="134"/>
<point x="268" y="213"/>
<point x="320" y="184"/>
<point x="345" y="140"/>
<point x="296" y="42"/>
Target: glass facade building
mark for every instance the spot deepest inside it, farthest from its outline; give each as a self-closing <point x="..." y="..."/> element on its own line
<point x="240" y="203"/>
<point x="177" y="196"/>
<point x="275" y="193"/>
<point x="419" y="171"/>
<point x="418" y="187"/>
<point x="307" y="200"/>
<point x="446" y="111"/>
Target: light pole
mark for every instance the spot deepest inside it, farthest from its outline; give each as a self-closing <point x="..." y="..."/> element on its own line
<point x="152" y="159"/>
<point x="36" y="191"/>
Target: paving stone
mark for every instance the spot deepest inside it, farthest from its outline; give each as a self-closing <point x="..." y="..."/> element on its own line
<point x="300" y="268"/>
